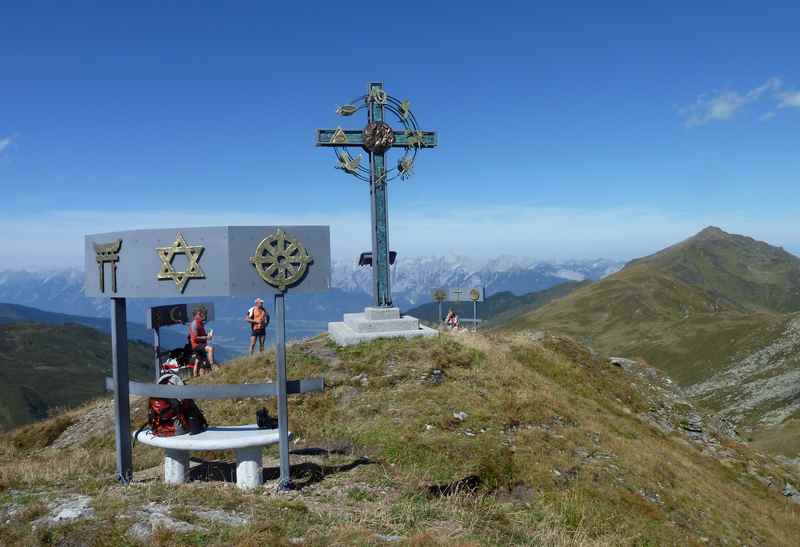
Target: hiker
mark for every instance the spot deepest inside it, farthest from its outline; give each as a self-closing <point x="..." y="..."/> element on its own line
<point x="200" y="343"/>
<point x="452" y="319"/>
<point x="258" y="317"/>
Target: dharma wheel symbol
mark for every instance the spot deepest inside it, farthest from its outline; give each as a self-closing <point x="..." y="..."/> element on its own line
<point x="281" y="260"/>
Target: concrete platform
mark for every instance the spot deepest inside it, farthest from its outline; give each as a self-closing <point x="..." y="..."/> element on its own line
<point x="376" y="323"/>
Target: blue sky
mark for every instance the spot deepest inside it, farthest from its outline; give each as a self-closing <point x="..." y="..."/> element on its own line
<point x="566" y="129"/>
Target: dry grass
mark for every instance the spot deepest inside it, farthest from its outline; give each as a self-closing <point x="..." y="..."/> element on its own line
<point x="520" y="469"/>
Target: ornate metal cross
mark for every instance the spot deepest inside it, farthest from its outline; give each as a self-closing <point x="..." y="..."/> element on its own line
<point x="376" y="139"/>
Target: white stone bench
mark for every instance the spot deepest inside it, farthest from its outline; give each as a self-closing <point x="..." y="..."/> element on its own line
<point x="246" y="440"/>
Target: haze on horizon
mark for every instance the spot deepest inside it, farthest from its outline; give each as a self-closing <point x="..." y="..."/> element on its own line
<point x="566" y="132"/>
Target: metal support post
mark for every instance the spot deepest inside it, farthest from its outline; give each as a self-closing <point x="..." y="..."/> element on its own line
<point x="119" y="356"/>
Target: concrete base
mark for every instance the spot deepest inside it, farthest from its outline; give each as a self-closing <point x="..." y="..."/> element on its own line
<point x="248" y="468"/>
<point x="176" y="466"/>
<point x="376" y="323"/>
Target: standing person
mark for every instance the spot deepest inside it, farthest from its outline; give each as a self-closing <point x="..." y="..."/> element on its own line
<point x="200" y="342"/>
<point x="258" y="317"/>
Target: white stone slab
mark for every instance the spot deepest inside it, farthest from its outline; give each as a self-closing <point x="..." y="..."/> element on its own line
<point x="343" y="335"/>
<point x="215" y="438"/>
<point x="359" y="323"/>
<point x="378" y="314"/>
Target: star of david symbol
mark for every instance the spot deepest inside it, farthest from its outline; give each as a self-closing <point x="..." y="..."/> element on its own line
<point x="192" y="252"/>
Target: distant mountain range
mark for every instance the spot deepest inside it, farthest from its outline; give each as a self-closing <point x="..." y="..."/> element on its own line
<point x="414" y="280"/>
<point x="718" y="312"/>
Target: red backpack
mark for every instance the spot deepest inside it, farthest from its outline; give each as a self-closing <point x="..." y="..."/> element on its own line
<point x="171" y="417"/>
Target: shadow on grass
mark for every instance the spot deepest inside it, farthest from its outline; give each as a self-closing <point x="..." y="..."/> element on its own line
<point x="466" y="485"/>
<point x="303" y="474"/>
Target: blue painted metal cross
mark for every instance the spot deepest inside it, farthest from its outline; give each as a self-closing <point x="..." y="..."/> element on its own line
<point x="376" y="139"/>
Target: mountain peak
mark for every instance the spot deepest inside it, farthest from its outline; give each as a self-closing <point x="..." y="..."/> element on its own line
<point x="711" y="231"/>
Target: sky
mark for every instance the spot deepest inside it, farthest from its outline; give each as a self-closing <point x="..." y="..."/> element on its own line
<point x="566" y="129"/>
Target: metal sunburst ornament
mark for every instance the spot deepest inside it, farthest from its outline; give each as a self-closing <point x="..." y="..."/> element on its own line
<point x="281" y="260"/>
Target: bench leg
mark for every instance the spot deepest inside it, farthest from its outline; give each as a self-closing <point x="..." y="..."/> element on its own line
<point x="248" y="467"/>
<point x="176" y="466"/>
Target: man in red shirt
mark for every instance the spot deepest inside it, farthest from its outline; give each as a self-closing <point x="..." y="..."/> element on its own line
<point x="199" y="340"/>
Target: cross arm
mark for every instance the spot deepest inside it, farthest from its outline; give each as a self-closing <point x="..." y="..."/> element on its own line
<point x="355" y="137"/>
<point x="340" y="137"/>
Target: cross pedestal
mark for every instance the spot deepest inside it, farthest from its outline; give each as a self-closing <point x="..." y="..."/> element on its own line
<point x="376" y="323"/>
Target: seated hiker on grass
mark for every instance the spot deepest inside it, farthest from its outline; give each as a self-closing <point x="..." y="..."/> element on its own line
<point x="452" y="319"/>
<point x="200" y="343"/>
<point x="258" y="317"/>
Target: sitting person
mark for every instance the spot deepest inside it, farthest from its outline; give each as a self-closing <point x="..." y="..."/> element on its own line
<point x="200" y="344"/>
<point x="452" y="320"/>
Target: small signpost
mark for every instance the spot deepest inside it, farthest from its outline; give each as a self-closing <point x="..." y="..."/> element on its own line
<point x="174" y="314"/>
<point x="440" y="296"/>
<point x="221" y="261"/>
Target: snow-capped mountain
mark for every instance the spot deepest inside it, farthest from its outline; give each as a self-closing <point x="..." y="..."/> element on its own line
<point x="414" y="279"/>
<point x="413" y="282"/>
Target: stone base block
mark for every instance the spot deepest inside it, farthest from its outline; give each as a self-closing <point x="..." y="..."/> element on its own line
<point x="345" y="336"/>
<point x="359" y="322"/>
<point x="380" y="314"/>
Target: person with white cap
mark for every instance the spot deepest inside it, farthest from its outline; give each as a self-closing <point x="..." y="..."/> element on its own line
<point x="258" y="317"/>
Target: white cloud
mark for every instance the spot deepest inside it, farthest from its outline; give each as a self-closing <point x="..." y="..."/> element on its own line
<point x="790" y="99"/>
<point x="46" y="240"/>
<point x="5" y="142"/>
<point x="724" y="105"/>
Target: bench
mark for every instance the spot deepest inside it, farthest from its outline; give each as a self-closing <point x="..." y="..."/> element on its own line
<point x="246" y="440"/>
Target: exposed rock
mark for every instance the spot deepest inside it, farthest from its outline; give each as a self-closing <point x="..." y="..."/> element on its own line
<point x="460" y="416"/>
<point x="222" y="517"/>
<point x="346" y="393"/>
<point x="66" y="509"/>
<point x="622" y="362"/>
<point x="157" y="516"/>
<point x="99" y="420"/>
<point x="389" y="538"/>
<point x="791" y="492"/>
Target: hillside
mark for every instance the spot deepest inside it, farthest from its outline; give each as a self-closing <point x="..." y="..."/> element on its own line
<point x="498" y="306"/>
<point x="461" y="440"/>
<point x="14" y="313"/>
<point x="49" y="366"/>
<point x="710" y="311"/>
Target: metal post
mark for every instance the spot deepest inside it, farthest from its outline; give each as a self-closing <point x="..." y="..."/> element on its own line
<point x="119" y="356"/>
<point x="157" y="351"/>
<point x="475" y="315"/>
<point x="285" y="482"/>
<point x="440" y="311"/>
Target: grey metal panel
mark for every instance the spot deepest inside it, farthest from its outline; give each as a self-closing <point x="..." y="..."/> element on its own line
<point x="221" y="391"/>
<point x="225" y="261"/>
<point x="244" y="280"/>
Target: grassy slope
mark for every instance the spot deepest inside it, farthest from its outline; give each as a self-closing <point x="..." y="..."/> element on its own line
<point x="642" y="312"/>
<point x="555" y="439"/>
<point x="47" y="366"/>
<point x="499" y="306"/>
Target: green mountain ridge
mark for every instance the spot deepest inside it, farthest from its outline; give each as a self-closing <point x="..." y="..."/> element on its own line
<point x="43" y="367"/>
<point x="700" y="310"/>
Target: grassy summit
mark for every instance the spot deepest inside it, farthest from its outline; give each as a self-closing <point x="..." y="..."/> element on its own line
<point x="466" y="439"/>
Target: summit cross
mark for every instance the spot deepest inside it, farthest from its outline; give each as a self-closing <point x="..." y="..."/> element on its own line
<point x="376" y="139"/>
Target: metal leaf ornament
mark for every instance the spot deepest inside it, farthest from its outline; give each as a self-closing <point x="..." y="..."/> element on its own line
<point x="347" y="110"/>
<point x="405" y="166"/>
<point x="348" y="164"/>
